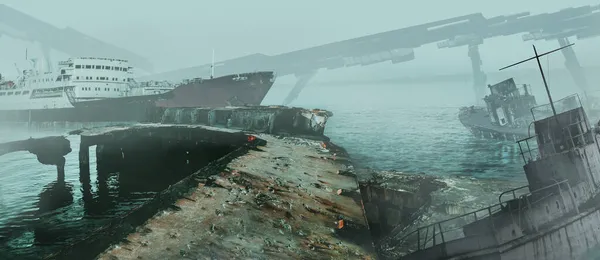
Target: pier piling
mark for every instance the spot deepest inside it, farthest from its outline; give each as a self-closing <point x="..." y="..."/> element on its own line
<point x="49" y="151"/>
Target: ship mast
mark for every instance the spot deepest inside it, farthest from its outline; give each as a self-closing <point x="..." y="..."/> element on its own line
<point x="212" y="65"/>
<point x="537" y="57"/>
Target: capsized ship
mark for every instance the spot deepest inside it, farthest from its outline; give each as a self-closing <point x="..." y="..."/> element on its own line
<point x="506" y="115"/>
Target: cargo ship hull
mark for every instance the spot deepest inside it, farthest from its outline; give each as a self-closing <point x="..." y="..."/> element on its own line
<point x="232" y="90"/>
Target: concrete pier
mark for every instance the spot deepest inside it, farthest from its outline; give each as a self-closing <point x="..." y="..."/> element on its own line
<point x="264" y="183"/>
<point x="283" y="200"/>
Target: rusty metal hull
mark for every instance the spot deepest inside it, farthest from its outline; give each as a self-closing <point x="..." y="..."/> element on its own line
<point x="478" y="123"/>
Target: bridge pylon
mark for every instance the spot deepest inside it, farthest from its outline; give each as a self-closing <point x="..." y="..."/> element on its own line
<point x="479" y="77"/>
<point x="574" y="67"/>
<point x="302" y="80"/>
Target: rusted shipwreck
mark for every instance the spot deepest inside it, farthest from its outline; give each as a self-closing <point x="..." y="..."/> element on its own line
<point x="557" y="217"/>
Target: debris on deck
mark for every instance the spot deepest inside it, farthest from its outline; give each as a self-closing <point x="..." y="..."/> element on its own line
<point x="288" y="199"/>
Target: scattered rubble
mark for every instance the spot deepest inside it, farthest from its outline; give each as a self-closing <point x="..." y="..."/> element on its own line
<point x="282" y="201"/>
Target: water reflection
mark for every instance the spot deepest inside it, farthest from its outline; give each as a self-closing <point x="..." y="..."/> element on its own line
<point x="484" y="158"/>
<point x="53" y="197"/>
<point x="127" y="175"/>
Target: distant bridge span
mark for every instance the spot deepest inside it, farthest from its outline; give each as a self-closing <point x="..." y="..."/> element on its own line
<point x="18" y="25"/>
<point x="395" y="46"/>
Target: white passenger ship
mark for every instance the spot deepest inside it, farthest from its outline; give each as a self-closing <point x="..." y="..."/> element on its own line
<point x="77" y="79"/>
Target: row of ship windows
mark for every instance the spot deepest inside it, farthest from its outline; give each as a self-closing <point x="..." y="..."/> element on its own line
<point x="98" y="89"/>
<point x="101" y="78"/>
<point x="99" y="67"/>
<point x="14" y="93"/>
<point x="42" y="80"/>
<point x="87" y="78"/>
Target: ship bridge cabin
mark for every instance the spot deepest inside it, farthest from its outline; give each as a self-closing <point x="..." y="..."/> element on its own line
<point x="562" y="166"/>
<point x="564" y="147"/>
<point x="509" y="105"/>
<point x="97" y="77"/>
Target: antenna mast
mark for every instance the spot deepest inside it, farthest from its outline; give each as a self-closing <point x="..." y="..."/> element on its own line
<point x="212" y="65"/>
<point x="537" y="57"/>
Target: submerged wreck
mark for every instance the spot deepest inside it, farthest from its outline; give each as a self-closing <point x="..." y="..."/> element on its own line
<point x="557" y="219"/>
<point x="506" y="115"/>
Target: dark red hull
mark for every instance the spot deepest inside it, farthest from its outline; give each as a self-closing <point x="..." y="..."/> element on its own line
<point x="237" y="89"/>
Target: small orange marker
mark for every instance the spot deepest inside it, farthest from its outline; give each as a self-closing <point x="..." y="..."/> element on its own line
<point x="340" y="224"/>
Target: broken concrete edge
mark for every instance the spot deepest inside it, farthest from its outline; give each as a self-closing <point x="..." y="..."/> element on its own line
<point x="119" y="228"/>
<point x="394" y="200"/>
<point x="259" y="119"/>
<point x="49" y="150"/>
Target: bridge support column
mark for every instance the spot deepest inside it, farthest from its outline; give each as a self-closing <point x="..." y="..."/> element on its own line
<point x="302" y="81"/>
<point x="573" y="66"/>
<point x="479" y="77"/>
<point x="47" y="57"/>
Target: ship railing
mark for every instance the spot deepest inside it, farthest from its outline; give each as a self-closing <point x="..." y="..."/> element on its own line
<point x="535" y="194"/>
<point x="528" y="149"/>
<point x="514" y="193"/>
<point x="524" y="89"/>
<point x="575" y="134"/>
<point x="442" y="231"/>
<point x="582" y="135"/>
<point x="562" y="105"/>
<point x="452" y="229"/>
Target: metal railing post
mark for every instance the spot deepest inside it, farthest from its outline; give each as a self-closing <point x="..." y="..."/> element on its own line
<point x="433" y="235"/>
<point x="441" y="232"/>
<point x="573" y="198"/>
<point x="418" y="239"/>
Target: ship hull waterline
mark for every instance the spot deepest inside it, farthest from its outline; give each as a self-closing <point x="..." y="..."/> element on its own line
<point x="218" y="92"/>
<point x="477" y="122"/>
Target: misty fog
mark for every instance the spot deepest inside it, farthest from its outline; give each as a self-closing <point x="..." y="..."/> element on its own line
<point x="183" y="34"/>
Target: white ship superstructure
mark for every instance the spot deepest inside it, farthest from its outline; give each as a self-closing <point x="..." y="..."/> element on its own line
<point x="77" y="79"/>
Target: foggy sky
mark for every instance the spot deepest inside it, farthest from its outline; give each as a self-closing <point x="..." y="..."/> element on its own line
<point x="182" y="33"/>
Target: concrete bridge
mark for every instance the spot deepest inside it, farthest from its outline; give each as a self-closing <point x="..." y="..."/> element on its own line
<point x="393" y="46"/>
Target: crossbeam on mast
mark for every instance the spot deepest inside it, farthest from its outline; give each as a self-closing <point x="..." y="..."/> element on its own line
<point x="537" y="57"/>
